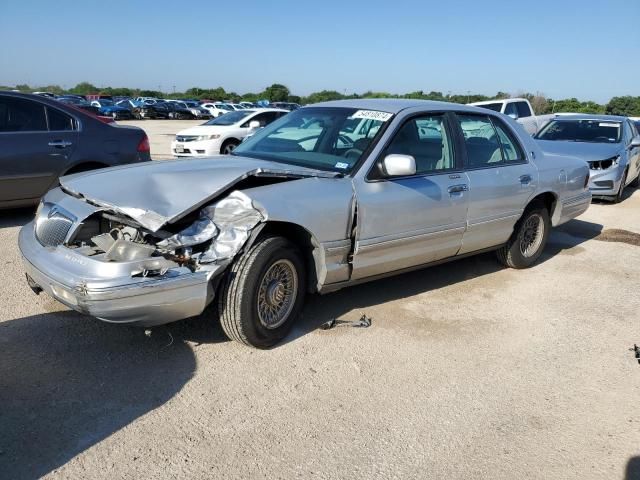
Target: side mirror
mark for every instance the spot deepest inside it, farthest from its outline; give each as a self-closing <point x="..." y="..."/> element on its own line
<point x="514" y="116"/>
<point x="396" y="165"/>
<point x="635" y="142"/>
<point x="254" y="124"/>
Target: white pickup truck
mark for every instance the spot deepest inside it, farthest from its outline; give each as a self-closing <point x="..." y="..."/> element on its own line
<point x="517" y="108"/>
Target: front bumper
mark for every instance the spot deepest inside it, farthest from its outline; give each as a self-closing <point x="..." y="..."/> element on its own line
<point x="101" y="290"/>
<point x="205" y="148"/>
<point x="605" y="183"/>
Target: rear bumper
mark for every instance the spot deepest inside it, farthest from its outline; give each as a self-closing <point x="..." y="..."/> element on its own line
<point x="74" y="280"/>
<point x="573" y="207"/>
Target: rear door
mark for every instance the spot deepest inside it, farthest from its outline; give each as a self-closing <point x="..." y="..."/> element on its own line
<point x="501" y="180"/>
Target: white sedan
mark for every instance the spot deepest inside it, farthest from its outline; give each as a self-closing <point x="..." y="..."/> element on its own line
<point x="221" y="135"/>
<point x="217" y="109"/>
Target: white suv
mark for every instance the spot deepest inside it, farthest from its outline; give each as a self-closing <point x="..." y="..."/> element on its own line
<point x="221" y="135"/>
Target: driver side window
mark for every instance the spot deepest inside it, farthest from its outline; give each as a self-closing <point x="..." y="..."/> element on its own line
<point x="426" y="139"/>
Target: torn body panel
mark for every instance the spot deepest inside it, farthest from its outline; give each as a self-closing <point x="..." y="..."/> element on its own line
<point x="321" y="207"/>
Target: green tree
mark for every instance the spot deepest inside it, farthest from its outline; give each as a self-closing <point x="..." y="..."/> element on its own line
<point x="276" y="93"/>
<point x="84" y="88"/>
<point x="150" y="93"/>
<point x="627" y="106"/>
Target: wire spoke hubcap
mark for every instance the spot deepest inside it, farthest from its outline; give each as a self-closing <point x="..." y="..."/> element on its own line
<point x="532" y="234"/>
<point x="277" y="294"/>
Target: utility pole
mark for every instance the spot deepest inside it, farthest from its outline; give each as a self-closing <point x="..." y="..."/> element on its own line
<point x="174" y="89"/>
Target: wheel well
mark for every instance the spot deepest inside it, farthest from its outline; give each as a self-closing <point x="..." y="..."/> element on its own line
<point x="85" y="167"/>
<point x="303" y="239"/>
<point x="546" y="199"/>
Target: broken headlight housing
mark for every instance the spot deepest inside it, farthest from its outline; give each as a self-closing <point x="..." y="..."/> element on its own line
<point x="604" y="164"/>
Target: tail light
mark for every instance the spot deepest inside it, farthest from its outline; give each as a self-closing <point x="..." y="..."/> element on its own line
<point x="143" y="146"/>
<point x="105" y="119"/>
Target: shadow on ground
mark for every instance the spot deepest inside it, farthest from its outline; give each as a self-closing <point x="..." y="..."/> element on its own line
<point x="67" y="382"/>
<point x="16" y="217"/>
<point x="632" y="471"/>
<point x="322" y="308"/>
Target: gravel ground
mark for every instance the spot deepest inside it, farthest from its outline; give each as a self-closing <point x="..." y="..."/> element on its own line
<point x="469" y="370"/>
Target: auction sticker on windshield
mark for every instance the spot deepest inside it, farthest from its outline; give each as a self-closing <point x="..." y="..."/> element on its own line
<point x="372" y="115"/>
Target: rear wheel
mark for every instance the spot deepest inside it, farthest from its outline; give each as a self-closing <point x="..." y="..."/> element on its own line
<point x="528" y="239"/>
<point x="263" y="293"/>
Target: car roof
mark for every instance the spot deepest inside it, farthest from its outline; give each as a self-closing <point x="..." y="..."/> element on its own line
<point x="395" y="105"/>
<point x="588" y="116"/>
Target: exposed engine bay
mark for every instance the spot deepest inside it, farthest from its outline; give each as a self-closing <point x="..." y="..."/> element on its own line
<point x="212" y="236"/>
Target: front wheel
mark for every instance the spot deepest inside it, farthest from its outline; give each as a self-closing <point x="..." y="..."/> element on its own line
<point x="228" y="147"/>
<point x="619" y="195"/>
<point x="263" y="293"/>
<point x="528" y="239"/>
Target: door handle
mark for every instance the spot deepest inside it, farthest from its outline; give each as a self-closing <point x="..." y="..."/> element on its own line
<point x="525" y="179"/>
<point x="60" y="144"/>
<point x="457" y="189"/>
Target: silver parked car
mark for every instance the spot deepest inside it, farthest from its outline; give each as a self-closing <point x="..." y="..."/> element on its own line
<point x="609" y="144"/>
<point x="326" y="197"/>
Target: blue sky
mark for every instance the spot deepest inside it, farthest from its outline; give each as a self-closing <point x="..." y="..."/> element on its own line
<point x="588" y="49"/>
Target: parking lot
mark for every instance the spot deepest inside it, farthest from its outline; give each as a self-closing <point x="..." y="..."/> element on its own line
<point x="469" y="370"/>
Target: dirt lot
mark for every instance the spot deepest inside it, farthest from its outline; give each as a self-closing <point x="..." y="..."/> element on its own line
<point x="468" y="371"/>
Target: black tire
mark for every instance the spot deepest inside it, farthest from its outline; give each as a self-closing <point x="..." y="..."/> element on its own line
<point x="228" y="147"/>
<point x="240" y="292"/>
<point x="620" y="194"/>
<point x="512" y="254"/>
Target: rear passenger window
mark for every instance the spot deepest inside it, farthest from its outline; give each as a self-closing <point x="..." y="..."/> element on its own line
<point x="523" y="109"/>
<point x="59" y="121"/>
<point x="488" y="142"/>
<point x="481" y="141"/>
<point x="511" y="150"/>
<point x="426" y="140"/>
<point x="21" y="115"/>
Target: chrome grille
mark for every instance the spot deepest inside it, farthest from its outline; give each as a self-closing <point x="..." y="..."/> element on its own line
<point x="52" y="229"/>
<point x="186" y="138"/>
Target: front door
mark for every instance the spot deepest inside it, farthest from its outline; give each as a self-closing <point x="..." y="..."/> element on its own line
<point x="33" y="151"/>
<point x="410" y="221"/>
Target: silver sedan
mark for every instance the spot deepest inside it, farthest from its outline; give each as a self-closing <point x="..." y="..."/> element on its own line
<point x="326" y="197"/>
<point x="609" y="144"/>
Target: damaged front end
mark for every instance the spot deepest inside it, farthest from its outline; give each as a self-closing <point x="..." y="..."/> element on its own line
<point x="103" y="263"/>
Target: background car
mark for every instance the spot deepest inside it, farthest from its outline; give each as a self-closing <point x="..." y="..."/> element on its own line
<point x="110" y="109"/>
<point x="609" y="144"/>
<point x="221" y="135"/>
<point x="285" y="105"/>
<point x="194" y="107"/>
<point x="217" y="109"/>
<point x="176" y="111"/>
<point x="43" y="139"/>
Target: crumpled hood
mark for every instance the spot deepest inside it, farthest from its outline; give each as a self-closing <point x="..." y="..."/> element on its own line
<point x="161" y="192"/>
<point x="588" y="152"/>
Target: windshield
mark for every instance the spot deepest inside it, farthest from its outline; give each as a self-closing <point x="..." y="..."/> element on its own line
<point x="229" y="118"/>
<point x="496" y="107"/>
<point x="592" y="131"/>
<point x="105" y="103"/>
<point x="323" y="138"/>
